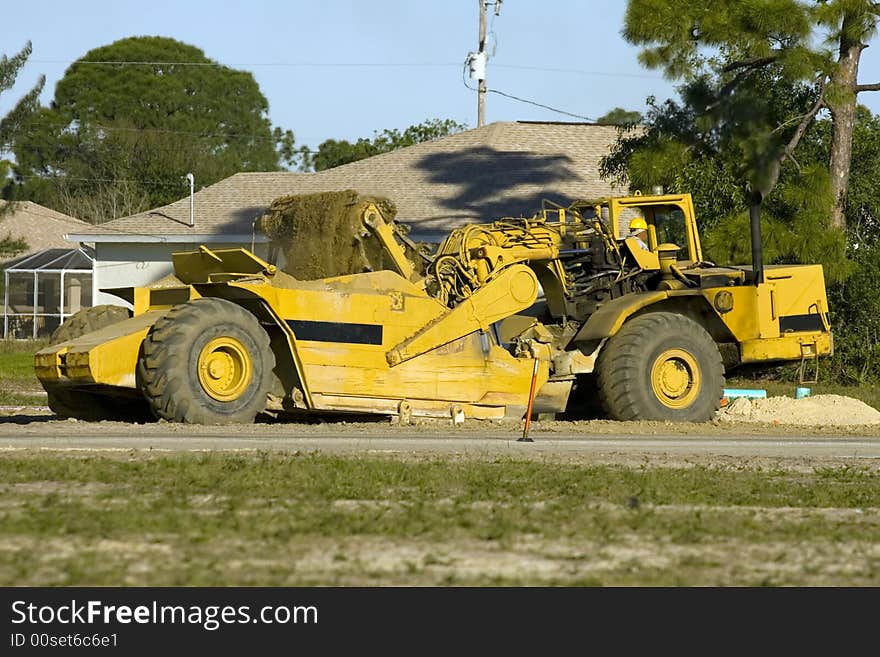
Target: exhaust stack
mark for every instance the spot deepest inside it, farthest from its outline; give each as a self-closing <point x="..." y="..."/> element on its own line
<point x="755" y="231"/>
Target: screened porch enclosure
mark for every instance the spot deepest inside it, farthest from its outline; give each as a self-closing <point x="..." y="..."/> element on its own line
<point x="45" y="288"/>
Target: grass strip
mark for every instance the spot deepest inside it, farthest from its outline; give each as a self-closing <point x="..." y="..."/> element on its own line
<point x="179" y="518"/>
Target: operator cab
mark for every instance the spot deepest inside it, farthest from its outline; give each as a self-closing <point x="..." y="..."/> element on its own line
<point x="674" y="239"/>
<point x="670" y="220"/>
<point x="667" y="224"/>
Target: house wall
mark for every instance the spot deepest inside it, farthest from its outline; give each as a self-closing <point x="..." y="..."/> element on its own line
<point x="140" y="264"/>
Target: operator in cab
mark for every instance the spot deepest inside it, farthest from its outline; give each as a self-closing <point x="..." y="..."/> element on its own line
<point x="638" y="228"/>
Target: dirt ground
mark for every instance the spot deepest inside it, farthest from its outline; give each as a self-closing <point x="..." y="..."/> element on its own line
<point x="821" y="415"/>
<point x="37" y="421"/>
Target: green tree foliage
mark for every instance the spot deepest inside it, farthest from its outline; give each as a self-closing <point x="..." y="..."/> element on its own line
<point x="854" y="301"/>
<point x="333" y="153"/>
<point x="753" y="87"/>
<point x="620" y="116"/>
<point x="856" y="318"/>
<point x="10" y="126"/>
<point x="849" y="25"/>
<point x="718" y="49"/>
<point x="131" y="119"/>
<point x="723" y="49"/>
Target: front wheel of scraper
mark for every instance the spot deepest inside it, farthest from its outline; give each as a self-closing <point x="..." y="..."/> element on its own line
<point x="207" y="361"/>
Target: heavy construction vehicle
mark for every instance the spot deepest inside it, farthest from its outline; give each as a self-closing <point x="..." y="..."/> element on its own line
<point x="563" y="299"/>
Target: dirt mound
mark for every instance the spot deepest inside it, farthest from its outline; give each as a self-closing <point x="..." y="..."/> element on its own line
<point x="322" y="234"/>
<point x="818" y="410"/>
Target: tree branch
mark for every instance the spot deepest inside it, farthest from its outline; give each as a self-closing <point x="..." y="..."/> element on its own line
<point x="754" y="62"/>
<point x="794" y="141"/>
<point x="811" y="113"/>
<point x="805" y="122"/>
<point x="748" y="66"/>
<point x="728" y="88"/>
<point x="868" y="87"/>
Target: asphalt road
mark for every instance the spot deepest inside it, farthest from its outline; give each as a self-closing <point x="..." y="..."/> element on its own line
<point x="34" y="433"/>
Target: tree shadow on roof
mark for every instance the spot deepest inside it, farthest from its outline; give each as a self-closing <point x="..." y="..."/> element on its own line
<point x="492" y="183"/>
<point x="242" y="221"/>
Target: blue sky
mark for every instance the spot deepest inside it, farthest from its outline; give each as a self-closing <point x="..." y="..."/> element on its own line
<point x="345" y="69"/>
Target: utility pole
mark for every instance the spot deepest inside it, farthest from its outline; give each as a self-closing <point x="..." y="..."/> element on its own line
<point x="476" y="61"/>
<point x="481" y="52"/>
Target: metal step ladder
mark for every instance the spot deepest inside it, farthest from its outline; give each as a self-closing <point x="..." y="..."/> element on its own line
<point x="809" y="363"/>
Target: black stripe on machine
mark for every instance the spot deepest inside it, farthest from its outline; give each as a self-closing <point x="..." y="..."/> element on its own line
<point x="336" y="331"/>
<point x="794" y="323"/>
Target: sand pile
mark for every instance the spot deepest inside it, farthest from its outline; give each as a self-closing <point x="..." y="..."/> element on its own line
<point x="817" y="410"/>
<point x="323" y="235"/>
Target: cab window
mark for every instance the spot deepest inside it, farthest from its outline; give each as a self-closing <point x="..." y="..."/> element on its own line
<point x="670" y="226"/>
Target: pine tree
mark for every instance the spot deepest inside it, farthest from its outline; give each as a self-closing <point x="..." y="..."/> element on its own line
<point x="9" y="127"/>
<point x="721" y="48"/>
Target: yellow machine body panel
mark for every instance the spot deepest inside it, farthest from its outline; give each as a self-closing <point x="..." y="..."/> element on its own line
<point x="344" y="329"/>
<point x="783" y="318"/>
<point x="105" y="357"/>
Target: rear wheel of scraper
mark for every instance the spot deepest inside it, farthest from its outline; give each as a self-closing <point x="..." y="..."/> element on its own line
<point x="92" y="406"/>
<point x="661" y="366"/>
<point x="88" y="405"/>
<point x="88" y="320"/>
<point x="207" y="361"/>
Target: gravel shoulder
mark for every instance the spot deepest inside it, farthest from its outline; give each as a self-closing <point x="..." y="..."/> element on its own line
<point x="818" y="415"/>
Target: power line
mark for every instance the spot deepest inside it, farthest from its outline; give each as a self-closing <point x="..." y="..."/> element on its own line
<point x="580" y="72"/>
<point x="201" y="135"/>
<point x="540" y="69"/>
<point x="522" y="100"/>
<point x="107" y="128"/>
<point x="254" y="137"/>
<point x="252" y="65"/>
<point x="360" y="65"/>
<point x="60" y="179"/>
<point x="532" y="102"/>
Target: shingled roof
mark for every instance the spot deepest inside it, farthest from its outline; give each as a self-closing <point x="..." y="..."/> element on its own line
<point x="502" y="169"/>
<point x="40" y="227"/>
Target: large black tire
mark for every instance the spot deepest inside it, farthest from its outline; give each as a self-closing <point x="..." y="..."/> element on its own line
<point x="88" y="320"/>
<point x="661" y="366"/>
<point x="207" y="361"/>
<point x="84" y="404"/>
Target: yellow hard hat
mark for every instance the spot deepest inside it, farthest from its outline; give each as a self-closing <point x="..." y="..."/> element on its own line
<point x="638" y="223"/>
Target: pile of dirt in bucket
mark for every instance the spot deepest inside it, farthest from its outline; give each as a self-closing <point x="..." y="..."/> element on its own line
<point x="817" y="410"/>
<point x="323" y="235"/>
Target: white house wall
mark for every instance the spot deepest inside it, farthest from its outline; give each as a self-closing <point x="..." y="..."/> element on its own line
<point x="140" y="264"/>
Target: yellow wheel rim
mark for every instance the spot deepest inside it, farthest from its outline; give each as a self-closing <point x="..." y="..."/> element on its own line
<point x="225" y="369"/>
<point x="675" y="378"/>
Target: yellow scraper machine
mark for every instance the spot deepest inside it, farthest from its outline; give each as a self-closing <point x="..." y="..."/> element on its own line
<point x="562" y="300"/>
